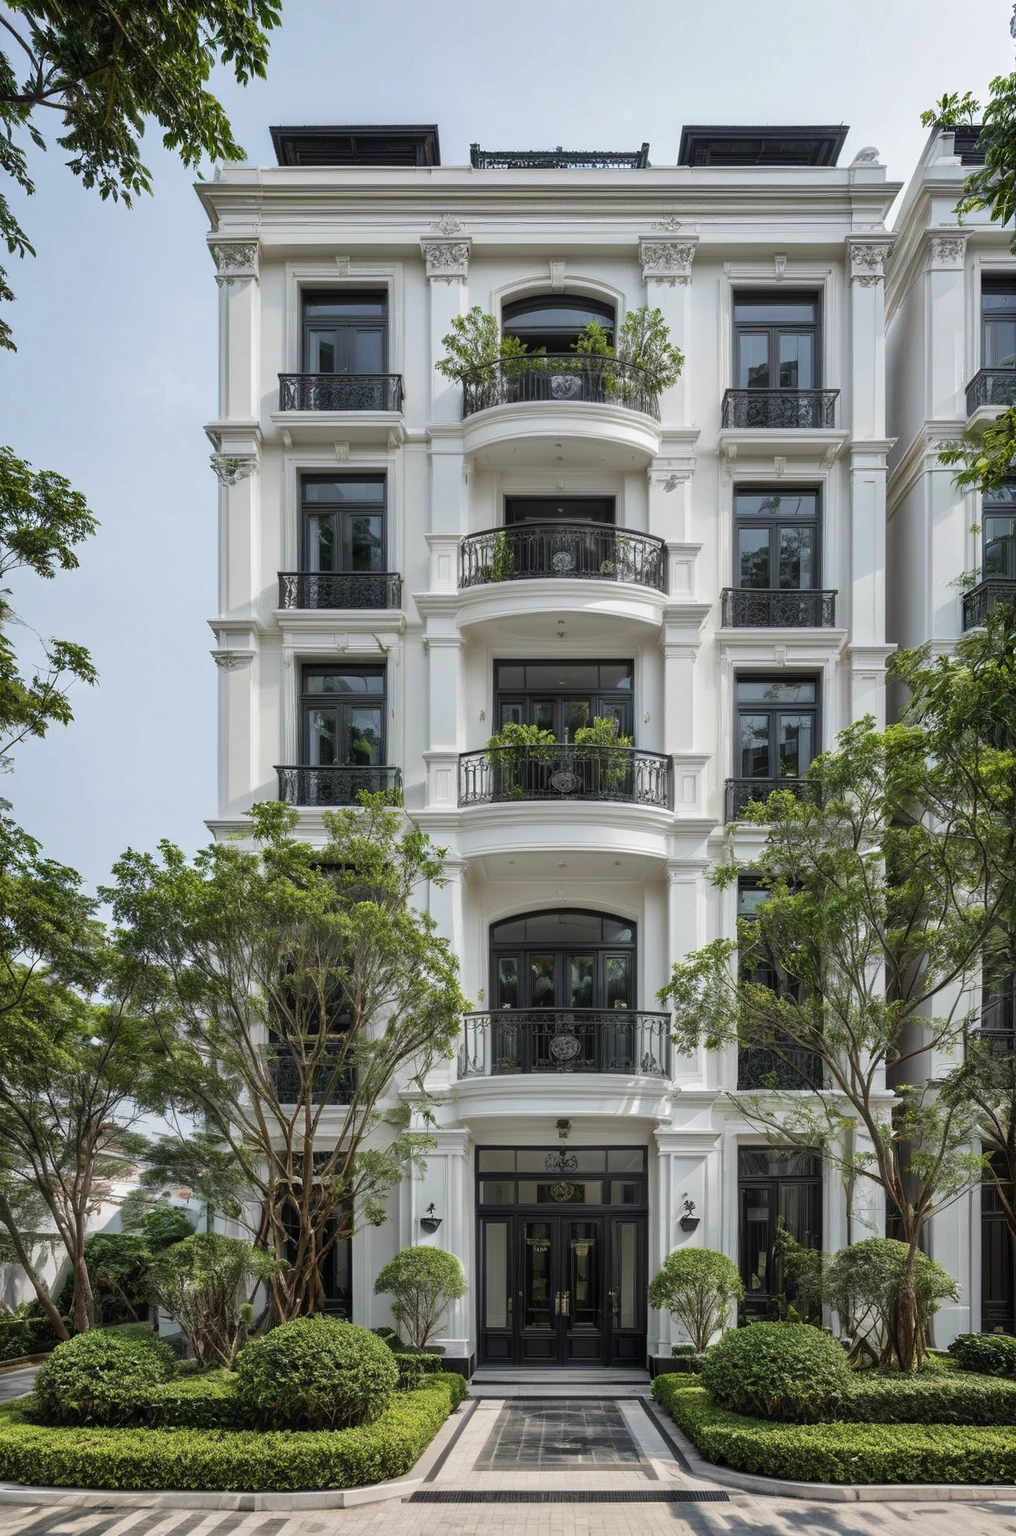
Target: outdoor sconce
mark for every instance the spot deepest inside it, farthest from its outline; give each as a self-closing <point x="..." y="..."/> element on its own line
<point x="688" y="1221"/>
<point x="430" y="1222"/>
<point x="563" y="1127"/>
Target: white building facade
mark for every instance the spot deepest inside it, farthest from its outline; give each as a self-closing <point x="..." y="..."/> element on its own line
<point x="408" y="563"/>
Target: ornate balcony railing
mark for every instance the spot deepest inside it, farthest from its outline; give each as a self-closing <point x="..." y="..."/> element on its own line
<point x="340" y="589"/>
<point x="776" y="608"/>
<point x="334" y="785"/>
<point x="991" y="386"/>
<point x="512" y="1041"/>
<point x="340" y="391"/>
<point x="565" y="379"/>
<point x="558" y="159"/>
<point x="792" y="1067"/>
<point x="286" y="1079"/>
<point x="500" y="775"/>
<point x="741" y="791"/>
<point x="780" y="409"/>
<point x="980" y="600"/>
<point x="561" y="551"/>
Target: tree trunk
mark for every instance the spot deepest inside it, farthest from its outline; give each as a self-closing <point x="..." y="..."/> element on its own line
<point x="907" y="1324"/>
<point x="38" y="1285"/>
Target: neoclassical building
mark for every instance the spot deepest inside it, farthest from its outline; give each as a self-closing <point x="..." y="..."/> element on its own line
<point x="408" y="564"/>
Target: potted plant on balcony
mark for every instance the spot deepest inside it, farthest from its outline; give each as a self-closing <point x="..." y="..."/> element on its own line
<point x="648" y="361"/>
<point x="515" y="771"/>
<point x="605" y="767"/>
<point x="474" y="347"/>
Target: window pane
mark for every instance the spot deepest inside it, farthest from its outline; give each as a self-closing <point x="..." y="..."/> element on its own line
<point x="626" y="1301"/>
<point x="796" y="744"/>
<point x="574" y="674"/>
<point x="535" y="1159"/>
<point x="366" y="540"/>
<point x="545" y="715"/>
<point x="625" y="1192"/>
<point x="998" y="296"/>
<point x="322" y="352"/>
<point x="364" y="739"/>
<point x="755" y="1238"/>
<point x="537" y="1275"/>
<point x="495" y="1273"/>
<point x="497" y="1191"/>
<point x="999" y="343"/>
<point x="342" y="490"/>
<point x="507" y="982"/>
<point x="617" y="933"/>
<point x="583" y="1276"/>
<point x="368" y="351"/>
<point x="617" y="674"/>
<point x="776" y="504"/>
<point x="497" y="1160"/>
<point x="750" y="898"/>
<point x="580" y="981"/>
<point x="323" y="736"/>
<point x="564" y="928"/>
<point x="509" y="675"/>
<point x="344" y="305"/>
<point x="753" y="361"/>
<point x="344" y="682"/>
<point x="627" y="1160"/>
<point x="511" y="714"/>
<point x="770" y="690"/>
<point x="999" y="545"/>
<point x="797" y="557"/>
<point x="541" y="981"/>
<point x="797" y="362"/>
<point x="760" y="310"/>
<point x="753" y="557"/>
<point x="754" y="733"/>
<point x="617" y="981"/>
<point x="321" y="543"/>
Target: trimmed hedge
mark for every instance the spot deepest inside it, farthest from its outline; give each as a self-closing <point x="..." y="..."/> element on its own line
<point x="938" y="1398"/>
<point x="989" y="1354"/>
<point x="413" y="1366"/>
<point x="244" y="1461"/>
<point x="101" y="1377"/>
<point x="315" y="1373"/>
<point x="839" y="1453"/>
<point x="778" y="1371"/>
<point x="208" y="1401"/>
<point x="26" y="1331"/>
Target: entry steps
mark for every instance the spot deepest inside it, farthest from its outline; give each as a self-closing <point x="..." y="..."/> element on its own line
<point x="513" y="1381"/>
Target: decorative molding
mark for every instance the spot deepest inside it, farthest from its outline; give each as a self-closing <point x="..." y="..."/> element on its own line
<point x="780" y="265"/>
<point x="446" y="259"/>
<point x="869" y="155"/>
<point x="227" y="660"/>
<point x="947" y="253"/>
<point x="667" y="261"/>
<point x="868" y="261"/>
<point x="235" y="261"/>
<point x="667" y="226"/>
<point x="230" y="469"/>
<point x="447" y="224"/>
<point x="557" y="276"/>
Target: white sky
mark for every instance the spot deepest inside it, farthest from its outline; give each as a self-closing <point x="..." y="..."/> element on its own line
<point x="116" y="317"/>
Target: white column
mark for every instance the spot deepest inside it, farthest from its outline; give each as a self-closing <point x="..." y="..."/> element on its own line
<point x="686" y="932"/>
<point x="446" y="257"/>
<point x="867" y="258"/>
<point x="237" y="268"/>
<point x="667" y="256"/>
<point x="687" y="1170"/>
<point x="447" y="1184"/>
<point x="945" y="326"/>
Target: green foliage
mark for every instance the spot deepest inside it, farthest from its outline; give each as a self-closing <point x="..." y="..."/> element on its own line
<point x="26" y="1330"/>
<point x="870" y="1284"/>
<point x="205" y="1401"/>
<point x="421" y="1281"/>
<point x="475" y="342"/>
<point x="143" y="1458"/>
<point x="643" y="341"/>
<point x="502" y="558"/>
<point x="100" y="1378"/>
<point x="165" y="1225"/>
<point x="515" y="735"/>
<point x="206" y="1283"/>
<point x="414" y="1366"/>
<point x="698" y="1287"/>
<point x="118" y="1272"/>
<point x="950" y="110"/>
<point x="989" y="1354"/>
<point x="315" y="1373"/>
<point x="777" y="1371"/>
<point x="928" y="1398"/>
<point x="840" y="1453"/>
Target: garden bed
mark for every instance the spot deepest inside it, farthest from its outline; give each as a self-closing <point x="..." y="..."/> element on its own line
<point x="840" y="1452"/>
<point x="140" y="1458"/>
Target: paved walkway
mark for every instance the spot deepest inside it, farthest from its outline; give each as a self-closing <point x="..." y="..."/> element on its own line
<point x="16" y="1383"/>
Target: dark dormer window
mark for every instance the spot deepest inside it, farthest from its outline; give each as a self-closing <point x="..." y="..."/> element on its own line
<point x="555" y="321"/>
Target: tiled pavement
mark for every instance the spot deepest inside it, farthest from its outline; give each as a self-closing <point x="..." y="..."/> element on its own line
<point x="530" y="1435"/>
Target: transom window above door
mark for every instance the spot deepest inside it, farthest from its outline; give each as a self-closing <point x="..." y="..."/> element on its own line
<point x="343" y="523"/>
<point x="345" y="331"/>
<point x="555" y="321"/>
<point x="777" y="726"/>
<point x="563" y="696"/>
<point x="776" y="539"/>
<point x="776" y="341"/>
<point x="583" y="509"/>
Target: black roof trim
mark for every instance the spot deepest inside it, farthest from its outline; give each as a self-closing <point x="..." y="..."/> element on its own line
<point x="558" y="159"/>
<point x="734" y="145"/>
<point x="363" y="144"/>
<point x="966" y="138"/>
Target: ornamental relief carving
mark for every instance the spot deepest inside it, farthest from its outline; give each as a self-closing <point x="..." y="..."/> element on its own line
<point x="227" y="660"/>
<point x="948" y="251"/>
<point x="231" y="469"/>
<point x="667" y="261"/>
<point x="235" y="261"/>
<point x="868" y="262"/>
<point x="447" y="260"/>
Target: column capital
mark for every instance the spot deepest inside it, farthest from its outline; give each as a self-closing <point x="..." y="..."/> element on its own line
<point x="231" y="468"/>
<point x="235" y="260"/>
<point x="869" y="258"/>
<point x="446" y="257"/>
<point x="947" y="250"/>
<point x="667" y="258"/>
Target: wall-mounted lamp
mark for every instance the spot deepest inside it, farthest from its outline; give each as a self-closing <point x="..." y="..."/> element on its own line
<point x="688" y="1220"/>
<point x="430" y="1222"/>
<point x="563" y="1127"/>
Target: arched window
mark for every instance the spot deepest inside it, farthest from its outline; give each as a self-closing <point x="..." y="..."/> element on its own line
<point x="563" y="959"/>
<point x="555" y="321"/>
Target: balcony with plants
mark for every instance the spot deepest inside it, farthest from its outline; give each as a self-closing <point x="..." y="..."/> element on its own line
<point x="527" y="763"/>
<point x="563" y="550"/>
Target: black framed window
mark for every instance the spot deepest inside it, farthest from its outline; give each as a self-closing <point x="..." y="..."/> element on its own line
<point x="777" y="726"/>
<point x="345" y="331"/>
<point x="998" y="520"/>
<point x="563" y="696"/>
<point x="555" y="321"/>
<point x="343" y="522"/>
<point x="778" y="1187"/>
<point x="584" y="509"/>
<point x="563" y="959"/>
<point x="998" y="322"/>
<point x="776" y="341"/>
<point x="776" y="539"/>
<point x="343" y="716"/>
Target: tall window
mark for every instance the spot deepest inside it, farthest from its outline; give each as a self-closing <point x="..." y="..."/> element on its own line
<point x="343" y="716"/>
<point x="555" y="321"/>
<point x="998" y="519"/>
<point x="777" y="726"/>
<point x="776" y="539"/>
<point x="998" y="322"/>
<point x="563" y="696"/>
<point x="776" y="341"/>
<point x="563" y="960"/>
<point x="778" y="1187"/>
<point x="345" y="331"/>
<point x="343" y="523"/>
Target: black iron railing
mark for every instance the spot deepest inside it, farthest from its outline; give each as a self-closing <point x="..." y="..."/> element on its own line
<point x="980" y="600"/>
<point x="562" y="550"/>
<point x="288" y="1080"/>
<point x="340" y="391"/>
<point x="792" y="1067"/>
<point x="512" y="1041"/>
<point x="502" y="774"/>
<point x="740" y="792"/>
<point x="780" y="409"/>
<point x="334" y="785"/>
<point x="776" y="608"/>
<point x="565" y="379"/>
<point x="339" y="589"/>
<point x="991" y="386"/>
<point x="558" y="159"/>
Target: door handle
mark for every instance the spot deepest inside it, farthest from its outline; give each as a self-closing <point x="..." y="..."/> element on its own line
<point x="557" y="1303"/>
<point x="565" y="1299"/>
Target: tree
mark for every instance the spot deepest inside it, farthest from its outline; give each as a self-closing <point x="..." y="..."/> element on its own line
<point x="207" y="1283"/>
<point x="869" y="1284"/>
<point x="303" y="982"/>
<point x="422" y="1282"/>
<point x="697" y="1286"/>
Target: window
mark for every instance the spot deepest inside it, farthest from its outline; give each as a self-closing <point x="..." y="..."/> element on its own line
<point x="776" y="341"/>
<point x="777" y="726"/>
<point x="583" y="509"/>
<point x="776" y="539"/>
<point x="343" y="716"/>
<point x="998" y="322"/>
<point x="998" y="519"/>
<point x="345" y="332"/>
<point x="555" y="321"/>
<point x="343" y="523"/>
<point x="563" y="696"/>
<point x="778" y="1187"/>
<point x="563" y="960"/>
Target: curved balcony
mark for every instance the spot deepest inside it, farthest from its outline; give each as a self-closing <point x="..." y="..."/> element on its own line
<point x="777" y="608"/>
<point x="742" y="792"/>
<point x="508" y="775"/>
<point x="509" y="1042"/>
<point x="339" y="589"/>
<point x="566" y="378"/>
<point x="563" y="551"/>
<point x="779" y="410"/>
<point x="332" y="1082"/>
<point x="334" y="785"/>
<point x="790" y="1068"/>
<point x="980" y="600"/>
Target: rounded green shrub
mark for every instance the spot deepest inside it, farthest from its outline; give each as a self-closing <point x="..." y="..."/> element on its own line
<point x="421" y="1281"/>
<point x="698" y="1286"/>
<point x="989" y="1354"/>
<point x="785" y="1371"/>
<point x="315" y="1373"/>
<point x="101" y="1377"/>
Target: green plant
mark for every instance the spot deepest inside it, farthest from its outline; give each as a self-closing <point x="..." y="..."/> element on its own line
<point x="421" y="1281"/>
<point x="643" y="342"/>
<point x="100" y="1377"/>
<point x="614" y="766"/>
<point x="207" y="1401"/>
<point x="511" y="769"/>
<point x="697" y="1286"/>
<point x="413" y="1366"/>
<point x="315" y="1373"/>
<point x="990" y="1354"/>
<point x="777" y="1371"/>
<point x="26" y="1331"/>
<point x="205" y="1283"/>
<point x="951" y="110"/>
<point x="502" y="557"/>
<point x="869" y="1286"/>
<point x="928" y="1398"/>
<point x="475" y="342"/>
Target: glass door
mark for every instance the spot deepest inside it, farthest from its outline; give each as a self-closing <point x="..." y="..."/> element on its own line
<point x="540" y="1292"/>
<point x="582" y="1292"/>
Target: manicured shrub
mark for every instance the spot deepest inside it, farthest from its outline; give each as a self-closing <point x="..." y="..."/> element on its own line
<point x="990" y="1354"/>
<point x="413" y="1366"/>
<point x="928" y="1398"/>
<point x="865" y="1284"/>
<point x="421" y="1281"/>
<point x="698" y="1287"/>
<point x="205" y="1283"/>
<point x="100" y="1377"/>
<point x="315" y="1373"/>
<point x="686" y="1361"/>
<point x="26" y="1331"/>
<point x="216" y="1459"/>
<point x="778" y="1371"/>
<point x="209" y="1401"/>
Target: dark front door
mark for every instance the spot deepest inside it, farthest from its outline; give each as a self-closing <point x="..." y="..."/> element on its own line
<point x="779" y="1190"/>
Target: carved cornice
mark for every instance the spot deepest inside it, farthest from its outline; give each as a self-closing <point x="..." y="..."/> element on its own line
<point x="235" y="261"/>
<point x="667" y="261"/>
<point x="947" y="252"/>
<point x="868" y="261"/>
<point x="230" y="469"/>
<point x="446" y="258"/>
<point x="227" y="660"/>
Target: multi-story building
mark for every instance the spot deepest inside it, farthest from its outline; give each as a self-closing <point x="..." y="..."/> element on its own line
<point x="410" y="563"/>
<point x="951" y="368"/>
